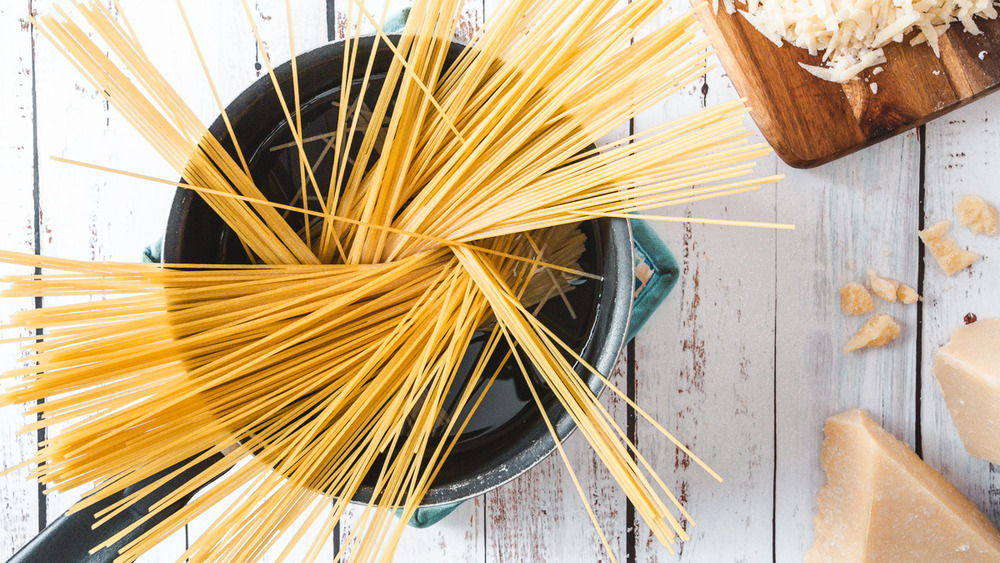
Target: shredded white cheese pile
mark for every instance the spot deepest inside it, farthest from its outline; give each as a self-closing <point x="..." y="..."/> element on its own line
<point x="853" y="32"/>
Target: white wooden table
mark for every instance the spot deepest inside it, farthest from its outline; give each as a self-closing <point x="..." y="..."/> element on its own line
<point x="743" y="360"/>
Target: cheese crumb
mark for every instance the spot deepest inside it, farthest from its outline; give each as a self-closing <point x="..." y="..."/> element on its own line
<point x="936" y="73"/>
<point x="850" y="264"/>
<point x="855" y="299"/>
<point x="949" y="256"/>
<point x="877" y="332"/>
<point x="877" y="70"/>
<point x="882" y="287"/>
<point x="874" y="87"/>
<point x="982" y="55"/>
<point x="975" y="214"/>
<point x="907" y="295"/>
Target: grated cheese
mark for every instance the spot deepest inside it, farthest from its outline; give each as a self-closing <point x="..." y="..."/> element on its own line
<point x="852" y="33"/>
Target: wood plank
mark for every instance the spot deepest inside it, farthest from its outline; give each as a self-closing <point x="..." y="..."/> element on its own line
<point x="18" y="495"/>
<point x="704" y="369"/>
<point x="540" y="516"/>
<point x="88" y="215"/>
<point x="458" y="537"/>
<point x="961" y="150"/>
<point x="810" y="121"/>
<point x="704" y="363"/>
<point x="859" y="211"/>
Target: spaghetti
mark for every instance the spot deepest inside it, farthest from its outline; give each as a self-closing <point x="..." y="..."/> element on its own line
<point x="329" y="362"/>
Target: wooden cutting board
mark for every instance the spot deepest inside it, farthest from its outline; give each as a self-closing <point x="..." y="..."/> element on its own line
<point x="809" y="121"/>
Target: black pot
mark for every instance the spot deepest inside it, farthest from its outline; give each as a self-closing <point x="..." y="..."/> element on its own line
<point x="506" y="437"/>
<point x="503" y="444"/>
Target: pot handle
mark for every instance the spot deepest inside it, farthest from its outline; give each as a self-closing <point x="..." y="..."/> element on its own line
<point x="71" y="537"/>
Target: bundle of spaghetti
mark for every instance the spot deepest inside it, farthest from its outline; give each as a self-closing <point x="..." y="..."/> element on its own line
<point x="195" y="341"/>
<point x="168" y="315"/>
<point x="322" y="371"/>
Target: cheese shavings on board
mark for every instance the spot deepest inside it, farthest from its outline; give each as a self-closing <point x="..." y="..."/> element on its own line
<point x="852" y="33"/>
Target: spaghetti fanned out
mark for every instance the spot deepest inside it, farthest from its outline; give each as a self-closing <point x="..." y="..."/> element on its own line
<point x="328" y="364"/>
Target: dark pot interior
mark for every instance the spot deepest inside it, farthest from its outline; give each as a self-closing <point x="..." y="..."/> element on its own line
<point x="507" y="434"/>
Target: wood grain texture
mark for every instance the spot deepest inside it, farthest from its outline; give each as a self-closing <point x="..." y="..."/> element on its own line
<point x="704" y="362"/>
<point x="809" y="121"/>
<point x="540" y="516"/>
<point x="18" y="495"/>
<point x="458" y="537"/>
<point x="961" y="160"/>
<point x="860" y="210"/>
<point x="704" y="369"/>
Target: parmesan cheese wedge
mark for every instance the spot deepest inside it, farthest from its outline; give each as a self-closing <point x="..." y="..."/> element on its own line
<point x="883" y="503"/>
<point x="968" y="370"/>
